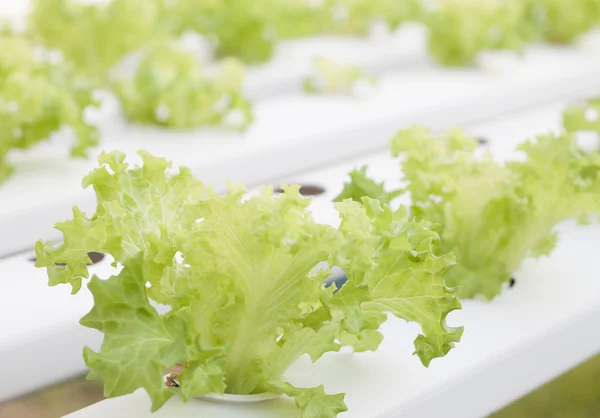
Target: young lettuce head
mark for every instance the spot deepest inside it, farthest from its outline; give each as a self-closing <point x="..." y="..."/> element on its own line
<point x="492" y="215"/>
<point x="331" y="77"/>
<point x="241" y="278"/>
<point x="39" y="95"/>
<point x="461" y="29"/>
<point x="170" y="88"/>
<point x="95" y="36"/>
<point x="563" y="22"/>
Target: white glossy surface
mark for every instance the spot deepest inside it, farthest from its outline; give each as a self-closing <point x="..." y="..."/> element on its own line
<point x="41" y="340"/>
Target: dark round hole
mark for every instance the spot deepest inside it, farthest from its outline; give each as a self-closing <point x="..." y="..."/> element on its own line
<point x="482" y="141"/>
<point x="512" y="282"/>
<point x="306" y="190"/>
<point x="94" y="256"/>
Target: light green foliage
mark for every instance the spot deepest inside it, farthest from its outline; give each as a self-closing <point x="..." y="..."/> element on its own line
<point x="335" y="78"/>
<point x="562" y="21"/>
<point x="460" y="29"/>
<point x="355" y="17"/>
<point x="494" y="215"/>
<point x="239" y="28"/>
<point x="95" y="36"/>
<point x="250" y="30"/>
<point x="582" y="117"/>
<point x="170" y="88"/>
<point x="38" y="98"/>
<point x="239" y="275"/>
<point x="491" y="215"/>
<point x="361" y="185"/>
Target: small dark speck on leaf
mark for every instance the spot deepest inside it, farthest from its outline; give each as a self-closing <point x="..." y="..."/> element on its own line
<point x="94" y="257"/>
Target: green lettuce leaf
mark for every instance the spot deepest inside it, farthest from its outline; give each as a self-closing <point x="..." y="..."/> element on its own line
<point x="250" y="30"/>
<point x="563" y="22"/>
<point x="460" y="29"/>
<point x="335" y="78"/>
<point x="170" y="88"/>
<point x="356" y="17"/>
<point x="39" y="96"/>
<point x="314" y="402"/>
<point x="492" y="215"/>
<point x="123" y="313"/>
<point x="238" y="28"/>
<point x="361" y="185"/>
<point x="241" y="280"/>
<point x="378" y="261"/>
<point x="96" y="36"/>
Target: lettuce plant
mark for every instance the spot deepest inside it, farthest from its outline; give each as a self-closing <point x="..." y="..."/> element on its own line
<point x="460" y="29"/>
<point x="582" y="117"/>
<point x="95" y="36"/>
<point x="491" y="215"/>
<point x="331" y="77"/>
<point x="239" y="28"/>
<point x="562" y="21"/>
<point x="38" y="96"/>
<point x="355" y="17"/>
<point x="241" y="281"/>
<point x="170" y="88"/>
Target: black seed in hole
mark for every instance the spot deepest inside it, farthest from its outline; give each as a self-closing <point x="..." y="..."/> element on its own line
<point x="512" y="282"/>
<point x="94" y="257"/>
<point x="482" y="141"/>
<point x="306" y="190"/>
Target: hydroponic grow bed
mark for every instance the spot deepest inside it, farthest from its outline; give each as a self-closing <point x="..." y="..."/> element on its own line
<point x="293" y="133"/>
<point x="39" y="333"/>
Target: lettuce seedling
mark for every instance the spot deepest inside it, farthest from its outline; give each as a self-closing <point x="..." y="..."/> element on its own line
<point x="491" y="215"/>
<point x="563" y="22"/>
<point x="38" y="96"/>
<point x="170" y="88"/>
<point x="460" y="29"/>
<point x="239" y="28"/>
<point x="332" y="77"/>
<point x="95" y="36"/>
<point x="241" y="280"/>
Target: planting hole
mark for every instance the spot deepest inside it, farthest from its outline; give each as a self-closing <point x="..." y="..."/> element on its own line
<point x="94" y="257"/>
<point x="306" y="190"/>
<point x="482" y="140"/>
<point x="512" y="282"/>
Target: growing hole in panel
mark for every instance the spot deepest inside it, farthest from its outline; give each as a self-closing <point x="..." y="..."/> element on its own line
<point x="306" y="190"/>
<point x="95" y="257"/>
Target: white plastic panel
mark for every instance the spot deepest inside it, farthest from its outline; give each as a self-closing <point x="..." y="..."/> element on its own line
<point x="46" y="334"/>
